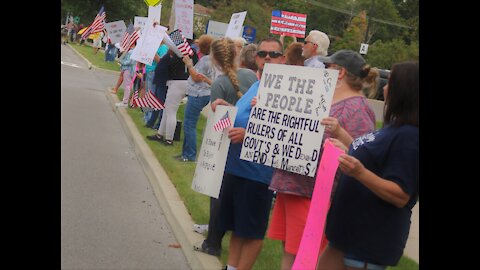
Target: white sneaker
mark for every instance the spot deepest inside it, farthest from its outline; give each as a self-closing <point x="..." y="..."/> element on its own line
<point x="200" y="228"/>
<point x="121" y="104"/>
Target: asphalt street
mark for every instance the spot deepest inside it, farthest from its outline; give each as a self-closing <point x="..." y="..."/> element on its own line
<point x="110" y="218"/>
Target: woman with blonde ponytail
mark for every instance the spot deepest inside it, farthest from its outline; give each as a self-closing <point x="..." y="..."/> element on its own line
<point x="233" y="81"/>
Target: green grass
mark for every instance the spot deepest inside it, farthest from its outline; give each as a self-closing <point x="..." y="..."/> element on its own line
<point x="98" y="59"/>
<point x="198" y="205"/>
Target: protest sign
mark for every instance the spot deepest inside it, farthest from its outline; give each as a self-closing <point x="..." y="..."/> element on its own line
<point x="148" y="43"/>
<point x="216" y="29"/>
<point x="213" y="153"/>
<point x="235" y="26"/>
<point x="184" y="17"/>
<point x="317" y="214"/>
<point x="115" y="30"/>
<point x="140" y="22"/>
<point x="288" y="23"/>
<point x="284" y="129"/>
<point x="154" y="13"/>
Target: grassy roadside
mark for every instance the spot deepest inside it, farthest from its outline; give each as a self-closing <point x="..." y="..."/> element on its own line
<point x="181" y="175"/>
<point x="98" y="59"/>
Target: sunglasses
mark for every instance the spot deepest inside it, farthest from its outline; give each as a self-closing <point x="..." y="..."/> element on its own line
<point x="306" y="41"/>
<point x="272" y="54"/>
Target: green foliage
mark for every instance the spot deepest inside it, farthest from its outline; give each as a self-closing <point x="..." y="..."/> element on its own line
<point x="353" y="36"/>
<point x="384" y="54"/>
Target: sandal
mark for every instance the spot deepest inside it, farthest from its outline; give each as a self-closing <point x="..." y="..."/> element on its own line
<point x="155" y="137"/>
<point x="168" y="142"/>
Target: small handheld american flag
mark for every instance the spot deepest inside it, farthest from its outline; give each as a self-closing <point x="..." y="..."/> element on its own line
<point x="181" y="42"/>
<point x="223" y="123"/>
<point x="97" y="25"/>
<point x="129" y="38"/>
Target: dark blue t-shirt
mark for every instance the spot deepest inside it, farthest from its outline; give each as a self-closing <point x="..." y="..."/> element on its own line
<point x="161" y="71"/>
<point x="359" y="222"/>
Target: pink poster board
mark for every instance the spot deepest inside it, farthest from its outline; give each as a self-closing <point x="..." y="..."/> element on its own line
<point x="312" y="235"/>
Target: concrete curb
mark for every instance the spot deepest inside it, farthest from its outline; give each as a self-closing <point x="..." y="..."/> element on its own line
<point x="90" y="65"/>
<point x="169" y="199"/>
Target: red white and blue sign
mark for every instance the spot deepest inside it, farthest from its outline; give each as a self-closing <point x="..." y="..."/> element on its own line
<point x="288" y="23"/>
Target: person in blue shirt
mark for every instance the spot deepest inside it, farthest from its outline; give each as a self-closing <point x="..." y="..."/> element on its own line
<point x="369" y="219"/>
<point x="245" y="199"/>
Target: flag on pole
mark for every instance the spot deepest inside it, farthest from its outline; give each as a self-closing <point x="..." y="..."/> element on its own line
<point x="223" y="123"/>
<point x="97" y="25"/>
<point x="129" y="38"/>
<point x="181" y="42"/>
<point x="147" y="101"/>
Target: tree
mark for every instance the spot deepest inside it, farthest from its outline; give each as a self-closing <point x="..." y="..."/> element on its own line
<point x="115" y="9"/>
<point x="384" y="54"/>
<point x="353" y="36"/>
<point x="383" y="10"/>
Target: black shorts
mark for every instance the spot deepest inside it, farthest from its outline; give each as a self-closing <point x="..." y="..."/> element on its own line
<point x="245" y="206"/>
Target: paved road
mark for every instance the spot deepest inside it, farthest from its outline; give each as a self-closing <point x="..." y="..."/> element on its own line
<point x="110" y="218"/>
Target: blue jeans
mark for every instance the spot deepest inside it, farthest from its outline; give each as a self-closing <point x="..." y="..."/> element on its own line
<point x="161" y="93"/>
<point x="192" y="113"/>
<point x="150" y="86"/>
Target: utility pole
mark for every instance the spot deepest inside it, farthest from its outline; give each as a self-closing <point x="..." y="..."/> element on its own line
<point x="370" y="14"/>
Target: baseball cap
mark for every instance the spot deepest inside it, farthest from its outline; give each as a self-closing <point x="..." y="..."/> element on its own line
<point x="350" y="60"/>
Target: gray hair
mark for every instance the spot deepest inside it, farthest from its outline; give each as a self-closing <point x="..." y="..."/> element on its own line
<point x="322" y="40"/>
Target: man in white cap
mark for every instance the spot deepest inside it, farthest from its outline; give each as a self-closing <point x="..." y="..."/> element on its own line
<point x="315" y="45"/>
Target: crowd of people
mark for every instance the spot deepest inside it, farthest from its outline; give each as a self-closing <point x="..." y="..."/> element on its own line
<point x="375" y="187"/>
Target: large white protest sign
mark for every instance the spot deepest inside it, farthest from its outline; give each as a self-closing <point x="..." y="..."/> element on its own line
<point x="154" y="13"/>
<point x="216" y="29"/>
<point x="284" y="129"/>
<point x="148" y="43"/>
<point x="116" y="30"/>
<point x="213" y="154"/>
<point x="184" y="17"/>
<point x="235" y="26"/>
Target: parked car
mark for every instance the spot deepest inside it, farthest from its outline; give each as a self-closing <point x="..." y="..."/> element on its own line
<point x="381" y="81"/>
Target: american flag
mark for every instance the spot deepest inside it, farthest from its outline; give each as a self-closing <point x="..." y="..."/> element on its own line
<point x="181" y="42"/>
<point x="97" y="25"/>
<point x="129" y="38"/>
<point x="288" y="23"/>
<point x="147" y="101"/>
<point x="223" y="123"/>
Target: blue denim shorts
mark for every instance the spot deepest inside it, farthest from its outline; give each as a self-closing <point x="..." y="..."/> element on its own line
<point x="361" y="264"/>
